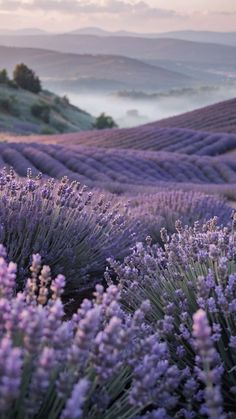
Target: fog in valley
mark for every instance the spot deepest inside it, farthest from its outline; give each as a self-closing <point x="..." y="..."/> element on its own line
<point x="133" y="109"/>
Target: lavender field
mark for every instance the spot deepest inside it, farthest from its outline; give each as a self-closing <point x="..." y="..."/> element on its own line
<point x="117" y="227"/>
<point x="118" y="271"/>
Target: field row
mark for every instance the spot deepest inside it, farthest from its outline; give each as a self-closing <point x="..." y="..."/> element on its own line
<point x="155" y="139"/>
<point x="97" y="166"/>
<point x="177" y="140"/>
<point x="220" y="117"/>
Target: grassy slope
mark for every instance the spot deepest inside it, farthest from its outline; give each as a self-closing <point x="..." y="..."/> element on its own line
<point x="63" y="117"/>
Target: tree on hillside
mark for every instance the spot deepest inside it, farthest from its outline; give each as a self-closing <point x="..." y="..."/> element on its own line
<point x="4" y="76"/>
<point x="104" y="121"/>
<point x="26" y="78"/>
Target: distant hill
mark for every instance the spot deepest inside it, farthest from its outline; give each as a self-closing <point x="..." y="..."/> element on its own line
<point x="23" y="112"/>
<point x="134" y="47"/>
<point x="21" y="32"/>
<point x="224" y="38"/>
<point x="83" y="70"/>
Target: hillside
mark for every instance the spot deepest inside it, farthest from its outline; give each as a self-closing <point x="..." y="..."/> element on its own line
<point x="221" y="38"/>
<point x="73" y="69"/>
<point x="191" y="133"/>
<point x="23" y="112"/>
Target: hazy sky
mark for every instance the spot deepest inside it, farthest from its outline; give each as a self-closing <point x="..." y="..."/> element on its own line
<point x="135" y="15"/>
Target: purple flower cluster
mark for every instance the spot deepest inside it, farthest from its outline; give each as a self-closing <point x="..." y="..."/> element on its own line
<point x="73" y="230"/>
<point x="191" y="285"/>
<point x="101" y="363"/>
<point x="166" y="207"/>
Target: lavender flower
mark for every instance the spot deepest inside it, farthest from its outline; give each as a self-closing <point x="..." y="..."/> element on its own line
<point x="10" y="374"/>
<point x="208" y="366"/>
<point x="74" y="405"/>
<point x="195" y="269"/>
<point x="88" y="366"/>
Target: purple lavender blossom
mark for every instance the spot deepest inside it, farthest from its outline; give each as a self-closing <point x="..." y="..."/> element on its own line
<point x="208" y="367"/>
<point x="74" y="405"/>
<point x="178" y="283"/>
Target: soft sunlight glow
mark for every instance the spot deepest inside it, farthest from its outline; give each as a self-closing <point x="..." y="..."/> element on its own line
<point x="135" y="15"/>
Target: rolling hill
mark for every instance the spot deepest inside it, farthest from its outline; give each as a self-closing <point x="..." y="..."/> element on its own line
<point x="209" y="131"/>
<point x="134" y="47"/>
<point x="220" y="117"/>
<point x="103" y="167"/>
<point x="224" y="38"/>
<point x="73" y="69"/>
<point x="144" y="159"/>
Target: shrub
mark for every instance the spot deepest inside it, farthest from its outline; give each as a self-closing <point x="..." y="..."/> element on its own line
<point x="26" y="78"/>
<point x="173" y="356"/>
<point x="12" y="84"/>
<point x="3" y="76"/>
<point x="73" y="230"/>
<point x="87" y="367"/>
<point x="194" y="273"/>
<point x="166" y="207"/>
<point x="5" y="104"/>
<point x="41" y="111"/>
<point x="46" y="130"/>
<point x="59" y="126"/>
<point x="8" y="104"/>
<point x="104" y="121"/>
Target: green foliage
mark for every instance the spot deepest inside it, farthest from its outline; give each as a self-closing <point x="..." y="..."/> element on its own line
<point x="12" y="84"/>
<point x="8" y="104"/>
<point x="3" y="76"/>
<point x="46" y="130"/>
<point x="60" y="126"/>
<point x="26" y="78"/>
<point x="41" y="111"/>
<point x="65" y="100"/>
<point x="104" y="121"/>
<point x="61" y="101"/>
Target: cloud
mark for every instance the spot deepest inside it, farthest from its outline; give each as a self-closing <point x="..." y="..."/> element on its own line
<point x="88" y="7"/>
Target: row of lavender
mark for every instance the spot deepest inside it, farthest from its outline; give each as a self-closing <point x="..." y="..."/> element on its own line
<point x="180" y="140"/>
<point x="102" y="167"/>
<point x="220" y="117"/>
<point x="159" y="344"/>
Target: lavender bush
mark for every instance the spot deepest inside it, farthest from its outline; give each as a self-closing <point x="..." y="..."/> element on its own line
<point x="73" y="230"/>
<point x="172" y="357"/>
<point x="166" y="207"/>
<point x="195" y="272"/>
<point x="100" y="364"/>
